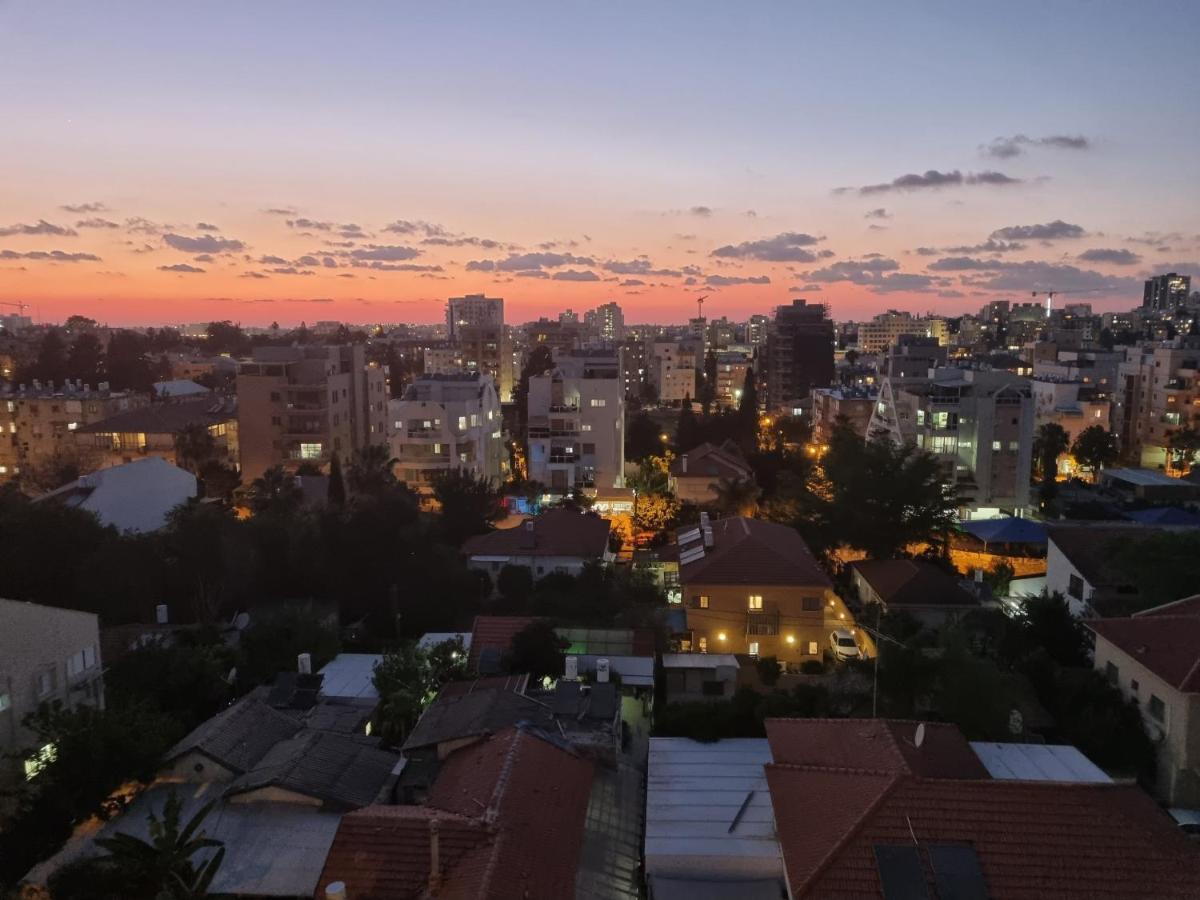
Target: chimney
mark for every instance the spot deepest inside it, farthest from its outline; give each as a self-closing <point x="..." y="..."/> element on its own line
<point x="435" y="861"/>
<point x="335" y="890"/>
<point x="304" y="663"/>
<point x="979" y="576"/>
<point x="160" y="614"/>
<point x="683" y="463"/>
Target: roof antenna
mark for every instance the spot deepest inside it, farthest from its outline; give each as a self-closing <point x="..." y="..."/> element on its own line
<point x="916" y="843"/>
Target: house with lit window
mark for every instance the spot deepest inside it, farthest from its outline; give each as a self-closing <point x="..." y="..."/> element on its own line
<point x="46" y="655"/>
<point x="751" y="587"/>
<point x="155" y="430"/>
<point x="1153" y="659"/>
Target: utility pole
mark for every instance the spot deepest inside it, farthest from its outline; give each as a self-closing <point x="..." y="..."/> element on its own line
<point x="879" y="636"/>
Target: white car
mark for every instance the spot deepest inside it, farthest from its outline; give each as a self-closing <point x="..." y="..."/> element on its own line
<point x="843" y="645"/>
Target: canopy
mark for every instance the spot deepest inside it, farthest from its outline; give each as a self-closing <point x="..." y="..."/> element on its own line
<point x="1007" y="530"/>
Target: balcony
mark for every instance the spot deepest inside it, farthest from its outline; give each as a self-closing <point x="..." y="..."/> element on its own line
<point x="762" y="622"/>
<point x="565" y="408"/>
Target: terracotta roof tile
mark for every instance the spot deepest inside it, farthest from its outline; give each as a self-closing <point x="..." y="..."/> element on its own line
<point x="709" y="460"/>
<point x="752" y="551"/>
<point x="1167" y="645"/>
<point x="908" y="582"/>
<point x="494" y="633"/>
<point x="556" y="532"/>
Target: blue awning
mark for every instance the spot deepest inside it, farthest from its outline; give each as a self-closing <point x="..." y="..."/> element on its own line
<point x="1008" y="530"/>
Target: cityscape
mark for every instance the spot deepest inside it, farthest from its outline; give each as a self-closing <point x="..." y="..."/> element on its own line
<point x="510" y="488"/>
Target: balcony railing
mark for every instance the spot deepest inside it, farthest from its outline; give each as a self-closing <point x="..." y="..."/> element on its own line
<point x="762" y="622"/>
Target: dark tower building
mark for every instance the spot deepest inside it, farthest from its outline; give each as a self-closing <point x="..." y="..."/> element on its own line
<point x="1166" y="292"/>
<point x="800" y="342"/>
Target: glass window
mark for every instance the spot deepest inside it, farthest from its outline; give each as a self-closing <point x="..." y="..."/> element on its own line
<point x="5" y="702"/>
<point x="812" y="648"/>
<point x="756" y="601"/>
<point x="462" y="423"/>
<point x="703" y="601"/>
<point x="995" y="446"/>
<point x="1112" y="673"/>
<point x="1158" y="710"/>
<point x="754" y="648"/>
<point x="703" y="644"/>
<point x="811" y="604"/>
<point x="310" y="451"/>
<point x="599" y="402"/>
<point x="1075" y="587"/>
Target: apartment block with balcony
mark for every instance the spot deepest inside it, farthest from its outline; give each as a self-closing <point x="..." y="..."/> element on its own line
<point x="447" y="422"/>
<point x="46" y="655"/>
<point x="799" y="355"/>
<point x="1157" y="393"/>
<point x="38" y="423"/>
<point x="303" y="404"/>
<point x="672" y="367"/>
<point x="732" y="367"/>
<point x="576" y="422"/>
<point x="752" y="587"/>
<point x="155" y="430"/>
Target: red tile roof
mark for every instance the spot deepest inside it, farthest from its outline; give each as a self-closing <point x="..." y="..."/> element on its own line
<point x="514" y="683"/>
<point x="885" y="746"/>
<point x="510" y="810"/>
<point x="556" y="532"/>
<point x="496" y="633"/>
<point x="1188" y="606"/>
<point x="751" y="551"/>
<point x="1033" y="839"/>
<point x="712" y="462"/>
<point x="1167" y="645"/>
<point x="908" y="583"/>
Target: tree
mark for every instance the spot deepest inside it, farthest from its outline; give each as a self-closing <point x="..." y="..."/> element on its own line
<point x="85" y="361"/>
<point x="127" y="365"/>
<point x="538" y="650"/>
<point x="1095" y="448"/>
<point x="195" y="447"/>
<point x="643" y="438"/>
<point x="372" y="471"/>
<point x="274" y="492"/>
<point x="653" y="474"/>
<point x="737" y="496"/>
<point x="1050" y="441"/>
<point x="539" y="362"/>
<point x="707" y="392"/>
<point x="51" y="363"/>
<point x="274" y="639"/>
<point x="687" y="430"/>
<point x="515" y="584"/>
<point x="1182" y="446"/>
<point x="1048" y="624"/>
<point x="748" y="408"/>
<point x="163" y="866"/>
<point x="469" y="504"/>
<point x="407" y="679"/>
<point x="336" y="494"/>
<point x="768" y="670"/>
<point x="186" y="680"/>
<point x="655" y="512"/>
<point x="1165" y="566"/>
<point x="225" y="337"/>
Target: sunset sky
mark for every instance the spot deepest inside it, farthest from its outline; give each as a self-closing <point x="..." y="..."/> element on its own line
<point x="284" y="161"/>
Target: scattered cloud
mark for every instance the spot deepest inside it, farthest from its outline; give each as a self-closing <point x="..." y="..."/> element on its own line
<point x="1033" y="275"/>
<point x="40" y="227"/>
<point x="182" y="268"/>
<point x="1008" y="147"/>
<point x="933" y="178"/>
<point x="522" y="262"/>
<point x="206" y="226"/>
<point x="788" y="246"/>
<point x="382" y="266"/>
<point x="83" y="208"/>
<point x="726" y="280"/>
<point x="258" y="275"/>
<point x="50" y="255"/>
<point x="204" y="258"/>
<point x="385" y="253"/>
<point x="632" y="282"/>
<point x="141" y="225"/>
<point x="309" y="224"/>
<point x="205" y="243"/>
<point x="702" y="211"/>
<point x="991" y="245"/>
<point x="96" y="222"/>
<point x="280" y="211"/>
<point x="1112" y="256"/>
<point x="575" y="275"/>
<point x="404" y="226"/>
<point x="1050" y="231"/>
<point x="877" y="213"/>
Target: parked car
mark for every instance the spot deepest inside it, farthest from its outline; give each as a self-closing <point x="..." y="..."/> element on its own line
<point x="843" y="645"/>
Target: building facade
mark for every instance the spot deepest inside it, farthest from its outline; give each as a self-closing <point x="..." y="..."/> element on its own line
<point x="800" y="342"/>
<point x="1166" y="292"/>
<point x="304" y="404"/>
<point x="672" y="371"/>
<point x="443" y="423"/>
<point x="1157" y="390"/>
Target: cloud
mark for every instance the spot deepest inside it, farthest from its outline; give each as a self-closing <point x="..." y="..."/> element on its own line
<point x="51" y="255"/>
<point x="632" y="282"/>
<point x="1106" y="255"/>
<point x="643" y="266"/>
<point x="404" y="226"/>
<point x="41" y="227"/>
<point x="932" y="178"/>
<point x="702" y="211"/>
<point x="272" y="261"/>
<point x="141" y="225"/>
<point x="726" y="280"/>
<point x="96" y="223"/>
<point x="789" y="246"/>
<point x="878" y="213"/>
<point x="385" y="253"/>
<point x="258" y="275"/>
<point x="1008" y="147"/>
<point x="991" y="245"/>
<point x="83" y="208"/>
<point x="206" y="226"/>
<point x="858" y="271"/>
<point x="533" y="273"/>
<point x="481" y="265"/>
<point x="521" y="262"/>
<point x="205" y="243"/>
<point x="289" y="270"/>
<point x="1034" y="275"/>
<point x="1050" y="231"/>
<point x="183" y="268"/>
<point x="575" y="275"/>
<point x="964" y="264"/>
<point x="381" y="266"/>
<point x="310" y="224"/>
<point x="203" y="257"/>
<point x="280" y="211"/>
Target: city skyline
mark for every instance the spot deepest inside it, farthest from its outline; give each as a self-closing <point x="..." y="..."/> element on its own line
<point x="186" y="165"/>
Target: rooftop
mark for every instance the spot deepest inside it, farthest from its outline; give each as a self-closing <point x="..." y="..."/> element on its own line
<point x="747" y="551"/>
<point x="1038" y="762"/>
<point x="711" y="461"/>
<point x="1168" y="645"/>
<point x="455" y="716"/>
<point x="135" y="496"/>
<point x="556" y="532"/>
<point x="491" y="637"/>
<point x="913" y="583"/>
<point x="351" y="675"/>
<point x="1143" y="478"/>
<point x="170" y="417"/>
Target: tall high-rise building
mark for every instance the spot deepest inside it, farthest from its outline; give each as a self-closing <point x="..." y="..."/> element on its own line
<point x="756" y="330"/>
<point x="799" y="353"/>
<point x="476" y="324"/>
<point x="1166" y="292"/>
<point x="298" y="404"/>
<point x="607" y="322"/>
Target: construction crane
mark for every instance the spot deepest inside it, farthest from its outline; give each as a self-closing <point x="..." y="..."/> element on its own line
<point x="700" y="305"/>
<point x="1050" y="295"/>
<point x="20" y="307"/>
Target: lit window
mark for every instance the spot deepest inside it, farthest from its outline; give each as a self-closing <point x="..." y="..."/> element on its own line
<point x="586" y="426"/>
<point x="5" y="703"/>
<point x="812" y="648"/>
<point x="703" y="644"/>
<point x="599" y="402"/>
<point x="754" y="648"/>
<point x="3" y="470"/>
<point x="995" y="446"/>
<point x="756" y="601"/>
<point x="704" y="601"/>
<point x="462" y="423"/>
<point x="310" y="451"/>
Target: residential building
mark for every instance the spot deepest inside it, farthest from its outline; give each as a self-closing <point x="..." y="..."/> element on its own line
<point x="576" y="422"/>
<point x="558" y="540"/>
<point x="829" y="405"/>
<point x="917" y="588"/>
<point x="47" y="655"/>
<point x="38" y="423"/>
<point x="693" y="476"/>
<point x="886" y="328"/>
<point x="1157" y="393"/>
<point x="1153" y="659"/>
<point x="136" y="496"/>
<point x="672" y="371"/>
<point x="155" y="430"/>
<point x="1082" y="565"/>
<point x="732" y="366"/>
<point x="442" y="360"/>
<point x="485" y="350"/>
<point x="1147" y="485"/>
<point x="753" y="587"/>
<point x="756" y="330"/>
<point x="634" y="367"/>
<point x="1072" y="405"/>
<point x="304" y="404"/>
<point x="447" y="422"/>
<point x="699" y="676"/>
<point x="1164" y="293"/>
<point x="799" y="354"/>
<point x="607" y="322"/>
<point x="473" y="310"/>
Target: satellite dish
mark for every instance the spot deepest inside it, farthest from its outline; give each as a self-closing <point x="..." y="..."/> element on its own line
<point x="241" y="620"/>
<point x="919" y="736"/>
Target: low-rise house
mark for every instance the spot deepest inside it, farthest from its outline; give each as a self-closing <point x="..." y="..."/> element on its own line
<point x="752" y="587"/>
<point x="694" y="475"/>
<point x="1080" y="566"/>
<point x="1153" y="658"/>
<point x="1147" y="484"/>
<point x="491" y="637"/>
<point x="915" y="587"/>
<point x="136" y="496"/>
<point x="559" y="540"/>
<point x="456" y="719"/>
<point x="699" y="676"/>
<point x="47" y="655"/>
<point x="155" y="430"/>
<point x="178" y="388"/>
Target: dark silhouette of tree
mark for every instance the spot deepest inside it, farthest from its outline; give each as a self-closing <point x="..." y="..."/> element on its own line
<point x="275" y="492"/>
<point x="748" y="408"/>
<point x="540" y="361"/>
<point x="538" y="650"/>
<point x="687" y="430"/>
<point x="1182" y="446"/>
<point x="469" y="505"/>
<point x="195" y="447"/>
<point x="515" y="584"/>
<point x="225" y="337"/>
<point x="336" y="495"/>
<point x="85" y="361"/>
<point x="127" y="365"/>
<point x="1095" y="448"/>
<point x="372" y="471"/>
<point x="643" y="438"/>
<point x="1049" y="442"/>
<point x="737" y="496"/>
<point x="707" y="391"/>
<point x="50" y="365"/>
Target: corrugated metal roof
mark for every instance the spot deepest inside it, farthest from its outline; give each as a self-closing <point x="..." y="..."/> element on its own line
<point x="351" y="675"/>
<point x="1038" y="762"/>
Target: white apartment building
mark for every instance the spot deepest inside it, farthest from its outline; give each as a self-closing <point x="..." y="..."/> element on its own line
<point x="1157" y="392"/>
<point x="672" y="371"/>
<point x="446" y="422"/>
<point x="46" y="654"/>
<point x="576" y="422"/>
<point x="1071" y="404"/>
<point x="885" y="330"/>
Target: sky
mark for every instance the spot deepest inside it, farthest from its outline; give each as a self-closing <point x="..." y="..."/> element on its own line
<point x="299" y="161"/>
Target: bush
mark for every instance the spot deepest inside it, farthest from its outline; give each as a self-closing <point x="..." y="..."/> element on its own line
<point x="768" y="670"/>
<point x="812" y="667"/>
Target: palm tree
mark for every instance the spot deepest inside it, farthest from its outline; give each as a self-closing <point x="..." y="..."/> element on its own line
<point x="737" y="496"/>
<point x="1050" y="441"/>
<point x="274" y="489"/>
<point x="1095" y="448"/>
<point x="372" y="471"/>
<point x="164" y="863"/>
